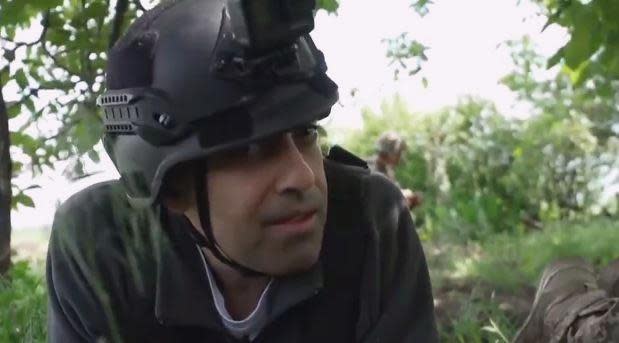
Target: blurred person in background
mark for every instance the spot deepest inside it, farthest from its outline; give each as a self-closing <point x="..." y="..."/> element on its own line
<point x="389" y="149"/>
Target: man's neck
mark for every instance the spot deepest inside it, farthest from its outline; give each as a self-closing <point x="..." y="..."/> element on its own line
<point x="241" y="293"/>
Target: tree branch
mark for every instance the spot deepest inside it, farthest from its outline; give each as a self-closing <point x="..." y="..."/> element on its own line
<point x="5" y="189"/>
<point x="44" y="23"/>
<point x="60" y="65"/>
<point x="119" y="17"/>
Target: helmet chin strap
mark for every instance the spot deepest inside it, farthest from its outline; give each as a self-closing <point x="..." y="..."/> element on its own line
<point x="209" y="241"/>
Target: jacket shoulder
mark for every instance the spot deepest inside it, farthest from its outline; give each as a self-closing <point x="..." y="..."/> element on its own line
<point x="349" y="175"/>
<point x="93" y="198"/>
<point x="341" y="155"/>
<point x="91" y="220"/>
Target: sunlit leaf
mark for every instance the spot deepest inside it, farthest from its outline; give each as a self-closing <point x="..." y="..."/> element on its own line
<point x="87" y="132"/>
<point x="14" y="110"/>
<point x="20" y="78"/>
<point x="28" y="143"/>
<point x="29" y="104"/>
<point x="22" y="199"/>
<point x="555" y="59"/>
<point x="330" y="6"/>
<point x="4" y="76"/>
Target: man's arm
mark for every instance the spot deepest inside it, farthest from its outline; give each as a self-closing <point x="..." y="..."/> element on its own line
<point x="63" y="325"/>
<point x="79" y="307"/>
<point x="402" y="308"/>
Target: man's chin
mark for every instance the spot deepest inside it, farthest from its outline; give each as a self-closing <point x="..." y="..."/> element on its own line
<point x="298" y="263"/>
<point x="293" y="255"/>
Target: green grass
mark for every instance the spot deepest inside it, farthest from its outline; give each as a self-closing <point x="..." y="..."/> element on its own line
<point x="479" y="319"/>
<point x="511" y="262"/>
<point x="23" y="304"/>
<point x="484" y="289"/>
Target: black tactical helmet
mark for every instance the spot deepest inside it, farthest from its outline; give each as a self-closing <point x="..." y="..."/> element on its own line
<point x="194" y="77"/>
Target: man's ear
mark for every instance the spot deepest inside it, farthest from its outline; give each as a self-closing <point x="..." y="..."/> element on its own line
<point x="177" y="204"/>
<point x="178" y="193"/>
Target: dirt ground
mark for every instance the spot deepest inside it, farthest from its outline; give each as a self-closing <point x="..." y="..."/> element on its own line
<point x="453" y="292"/>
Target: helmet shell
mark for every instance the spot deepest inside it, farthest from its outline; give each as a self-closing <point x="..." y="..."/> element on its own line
<point x="169" y="101"/>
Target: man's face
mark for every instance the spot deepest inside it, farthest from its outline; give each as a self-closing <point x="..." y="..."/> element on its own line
<point x="393" y="158"/>
<point x="268" y="202"/>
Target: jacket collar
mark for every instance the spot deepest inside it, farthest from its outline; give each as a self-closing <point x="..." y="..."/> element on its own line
<point x="183" y="296"/>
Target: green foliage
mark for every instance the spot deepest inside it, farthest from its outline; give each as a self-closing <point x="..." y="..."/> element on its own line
<point x="405" y="53"/>
<point x="593" y="103"/>
<point x="402" y="51"/>
<point x="481" y="173"/>
<point x="62" y="72"/>
<point x="18" y="13"/>
<point x="23" y="199"/>
<point x="484" y="289"/>
<point x="468" y="325"/>
<point x="504" y="265"/>
<point x="421" y="6"/>
<point x="330" y="6"/>
<point x="592" y="51"/>
<point x="23" y="304"/>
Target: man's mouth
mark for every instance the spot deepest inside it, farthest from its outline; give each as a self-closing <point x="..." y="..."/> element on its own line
<point x="296" y="223"/>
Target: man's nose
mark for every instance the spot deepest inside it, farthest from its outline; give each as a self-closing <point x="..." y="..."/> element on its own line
<point x="295" y="174"/>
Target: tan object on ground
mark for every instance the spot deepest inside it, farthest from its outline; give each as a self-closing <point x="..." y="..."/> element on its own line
<point x="570" y="307"/>
<point x="609" y="278"/>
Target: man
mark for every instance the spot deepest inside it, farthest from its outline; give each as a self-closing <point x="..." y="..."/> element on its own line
<point x="228" y="225"/>
<point x="572" y="305"/>
<point x="389" y="149"/>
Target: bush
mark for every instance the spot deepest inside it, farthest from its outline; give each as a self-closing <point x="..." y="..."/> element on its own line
<point x="483" y="174"/>
<point x="23" y="305"/>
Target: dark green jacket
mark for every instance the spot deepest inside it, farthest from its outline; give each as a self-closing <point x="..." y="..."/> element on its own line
<point x="135" y="276"/>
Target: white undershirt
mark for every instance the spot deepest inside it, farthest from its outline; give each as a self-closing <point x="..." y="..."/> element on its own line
<point x="249" y="327"/>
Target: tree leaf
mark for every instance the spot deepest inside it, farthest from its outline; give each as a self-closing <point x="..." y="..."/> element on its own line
<point x="26" y="142"/>
<point x="22" y="199"/>
<point x="586" y="36"/>
<point x="421" y="7"/>
<point x="87" y="132"/>
<point x="13" y="111"/>
<point x="16" y="167"/>
<point x="21" y="79"/>
<point x="330" y="6"/>
<point x="29" y="103"/>
<point x="555" y="59"/>
<point x="4" y="76"/>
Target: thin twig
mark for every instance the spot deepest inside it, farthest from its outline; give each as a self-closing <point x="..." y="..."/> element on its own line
<point x="117" y="23"/>
<point x="44" y="23"/>
<point x="60" y="65"/>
